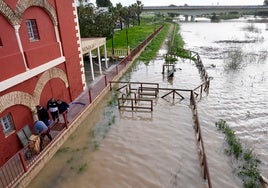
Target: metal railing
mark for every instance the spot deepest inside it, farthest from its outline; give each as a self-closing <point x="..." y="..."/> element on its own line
<point x="20" y="163"/>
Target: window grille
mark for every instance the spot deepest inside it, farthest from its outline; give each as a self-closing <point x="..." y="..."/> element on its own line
<point x="32" y="30"/>
<point x="7" y="124"/>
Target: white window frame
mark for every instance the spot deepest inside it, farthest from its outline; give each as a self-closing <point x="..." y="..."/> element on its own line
<point x="32" y="30"/>
<point x="7" y="124"/>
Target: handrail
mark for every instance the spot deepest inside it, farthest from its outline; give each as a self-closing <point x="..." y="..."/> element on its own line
<point x="206" y="82"/>
<point x="200" y="141"/>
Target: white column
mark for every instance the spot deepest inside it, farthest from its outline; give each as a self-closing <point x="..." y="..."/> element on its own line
<point x="58" y="38"/>
<point x="105" y="56"/>
<point x="186" y="18"/>
<point x="17" y="27"/>
<point x="91" y="65"/>
<point x="99" y="60"/>
<point x="192" y="18"/>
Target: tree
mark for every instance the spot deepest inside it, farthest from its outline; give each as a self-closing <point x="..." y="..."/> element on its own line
<point x="265" y="2"/>
<point x="132" y="13"/>
<point x="139" y="8"/>
<point x="95" y="24"/>
<point x="86" y="18"/>
<point x="103" y="26"/>
<point x="120" y="14"/>
<point x="104" y="3"/>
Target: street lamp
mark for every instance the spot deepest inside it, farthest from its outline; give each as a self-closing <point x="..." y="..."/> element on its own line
<point x="127" y="37"/>
<point x="113" y="44"/>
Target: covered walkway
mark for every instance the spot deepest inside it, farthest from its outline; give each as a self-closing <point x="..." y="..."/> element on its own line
<point x="90" y="45"/>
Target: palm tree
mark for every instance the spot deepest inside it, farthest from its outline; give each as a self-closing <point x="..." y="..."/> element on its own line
<point x="132" y="13"/>
<point x="139" y="8"/>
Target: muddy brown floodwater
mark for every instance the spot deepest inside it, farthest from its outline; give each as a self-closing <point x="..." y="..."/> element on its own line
<point x="114" y="149"/>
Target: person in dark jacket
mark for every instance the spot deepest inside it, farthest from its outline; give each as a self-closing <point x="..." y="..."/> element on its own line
<point x="52" y="106"/>
<point x="62" y="106"/>
<point x="43" y="115"/>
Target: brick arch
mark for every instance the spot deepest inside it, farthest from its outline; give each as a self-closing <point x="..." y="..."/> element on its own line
<point x="9" y="14"/>
<point x="46" y="76"/>
<point x="17" y="98"/>
<point x="22" y="5"/>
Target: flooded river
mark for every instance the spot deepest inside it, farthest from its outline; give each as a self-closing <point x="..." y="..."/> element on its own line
<point x="114" y="149"/>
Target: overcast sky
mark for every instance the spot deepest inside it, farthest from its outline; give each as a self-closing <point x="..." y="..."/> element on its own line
<point x="189" y="2"/>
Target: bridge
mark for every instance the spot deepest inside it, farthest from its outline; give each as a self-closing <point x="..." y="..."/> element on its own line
<point x="194" y="11"/>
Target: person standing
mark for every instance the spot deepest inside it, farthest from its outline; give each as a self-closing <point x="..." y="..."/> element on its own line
<point x="43" y="114"/>
<point x="42" y="130"/>
<point x="62" y="106"/>
<point x="52" y="106"/>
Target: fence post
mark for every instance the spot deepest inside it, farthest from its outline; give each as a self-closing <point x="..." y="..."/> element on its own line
<point x="201" y="89"/>
<point x="89" y="94"/>
<point x="110" y="86"/>
<point x="117" y="69"/>
<point x="207" y="88"/>
<point x="105" y="80"/>
<point x="65" y="119"/>
<point x="192" y="97"/>
<point x="118" y="101"/>
<point x="23" y="161"/>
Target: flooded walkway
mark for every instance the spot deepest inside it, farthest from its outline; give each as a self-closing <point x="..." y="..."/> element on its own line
<point x="114" y="148"/>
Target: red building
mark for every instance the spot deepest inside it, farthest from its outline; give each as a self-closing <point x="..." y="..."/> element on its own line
<point x="40" y="58"/>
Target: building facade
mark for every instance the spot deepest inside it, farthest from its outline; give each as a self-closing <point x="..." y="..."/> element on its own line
<point x="40" y="58"/>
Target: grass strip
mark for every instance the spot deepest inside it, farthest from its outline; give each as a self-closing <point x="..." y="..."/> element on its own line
<point x="151" y="50"/>
<point x="248" y="164"/>
<point x="135" y="36"/>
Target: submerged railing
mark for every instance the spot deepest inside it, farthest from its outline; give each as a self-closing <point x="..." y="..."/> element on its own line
<point x="203" y="87"/>
<point x="201" y="148"/>
<point x="127" y="88"/>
